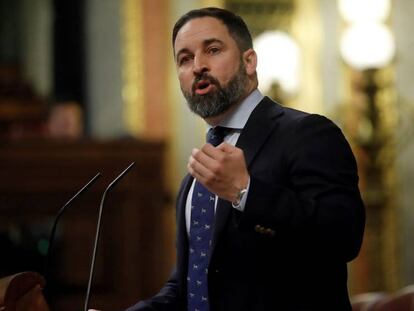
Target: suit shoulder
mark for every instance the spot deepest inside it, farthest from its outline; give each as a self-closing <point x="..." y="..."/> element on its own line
<point x="302" y="118"/>
<point x="290" y="119"/>
<point x="289" y="114"/>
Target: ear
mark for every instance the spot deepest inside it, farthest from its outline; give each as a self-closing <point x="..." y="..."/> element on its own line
<point x="250" y="61"/>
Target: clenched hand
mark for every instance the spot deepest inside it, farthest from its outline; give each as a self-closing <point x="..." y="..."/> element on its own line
<point x="222" y="169"/>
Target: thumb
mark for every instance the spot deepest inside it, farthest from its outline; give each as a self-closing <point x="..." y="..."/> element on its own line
<point x="226" y="147"/>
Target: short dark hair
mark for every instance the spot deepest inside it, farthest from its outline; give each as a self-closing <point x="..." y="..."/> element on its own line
<point x="236" y="26"/>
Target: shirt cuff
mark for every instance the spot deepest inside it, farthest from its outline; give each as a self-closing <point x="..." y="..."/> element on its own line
<point x="241" y="205"/>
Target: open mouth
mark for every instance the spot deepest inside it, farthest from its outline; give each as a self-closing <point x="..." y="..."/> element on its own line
<point x="203" y="87"/>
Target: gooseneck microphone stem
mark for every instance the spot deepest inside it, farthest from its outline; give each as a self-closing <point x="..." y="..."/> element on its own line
<point x="59" y="214"/>
<point x="98" y="229"/>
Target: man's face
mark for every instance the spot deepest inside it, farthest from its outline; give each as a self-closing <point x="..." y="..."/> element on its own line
<point x="210" y="67"/>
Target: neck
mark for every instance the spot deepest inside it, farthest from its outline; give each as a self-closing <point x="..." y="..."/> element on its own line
<point x="214" y="121"/>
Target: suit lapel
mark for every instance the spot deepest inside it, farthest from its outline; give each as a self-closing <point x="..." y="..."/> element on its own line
<point x="256" y="131"/>
<point x="182" y="236"/>
<point x="259" y="126"/>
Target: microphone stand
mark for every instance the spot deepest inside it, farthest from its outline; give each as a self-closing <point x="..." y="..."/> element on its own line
<point x="60" y="213"/>
<point x="98" y="229"/>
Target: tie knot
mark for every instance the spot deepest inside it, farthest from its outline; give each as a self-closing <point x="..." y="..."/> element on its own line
<point x="215" y="135"/>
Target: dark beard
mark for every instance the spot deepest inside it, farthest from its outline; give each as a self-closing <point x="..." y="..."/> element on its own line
<point x="219" y="100"/>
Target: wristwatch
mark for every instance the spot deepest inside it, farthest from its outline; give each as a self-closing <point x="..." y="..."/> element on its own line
<point x="239" y="198"/>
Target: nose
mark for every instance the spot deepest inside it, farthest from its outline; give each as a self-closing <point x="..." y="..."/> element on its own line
<point x="200" y="65"/>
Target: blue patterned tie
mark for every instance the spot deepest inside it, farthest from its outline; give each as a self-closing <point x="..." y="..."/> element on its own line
<point x="201" y="232"/>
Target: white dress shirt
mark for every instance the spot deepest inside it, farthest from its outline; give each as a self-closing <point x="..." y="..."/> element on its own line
<point x="236" y="121"/>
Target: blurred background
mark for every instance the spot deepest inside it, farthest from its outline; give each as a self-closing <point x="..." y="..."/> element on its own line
<point x="88" y="86"/>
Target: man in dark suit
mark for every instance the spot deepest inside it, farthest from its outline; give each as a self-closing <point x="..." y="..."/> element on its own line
<point x="283" y="188"/>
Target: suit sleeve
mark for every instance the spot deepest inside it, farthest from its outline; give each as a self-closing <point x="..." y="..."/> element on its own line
<point x="166" y="300"/>
<point x="319" y="206"/>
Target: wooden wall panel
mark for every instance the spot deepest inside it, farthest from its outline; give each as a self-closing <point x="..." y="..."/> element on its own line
<point x="37" y="177"/>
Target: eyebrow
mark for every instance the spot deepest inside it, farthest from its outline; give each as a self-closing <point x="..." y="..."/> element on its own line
<point x="212" y="40"/>
<point x="206" y="42"/>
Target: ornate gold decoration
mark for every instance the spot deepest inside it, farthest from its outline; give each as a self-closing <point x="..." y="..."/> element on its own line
<point x="215" y="3"/>
<point x="370" y="122"/>
<point x="263" y="15"/>
<point x="133" y="67"/>
<point x="307" y="29"/>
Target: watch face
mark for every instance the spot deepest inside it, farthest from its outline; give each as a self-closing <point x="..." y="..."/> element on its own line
<point x="239" y="198"/>
<point x="242" y="193"/>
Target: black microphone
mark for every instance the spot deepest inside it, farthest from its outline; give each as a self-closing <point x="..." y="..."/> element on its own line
<point x="98" y="229"/>
<point x="59" y="214"/>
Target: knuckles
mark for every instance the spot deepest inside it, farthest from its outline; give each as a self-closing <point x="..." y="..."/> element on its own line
<point x="205" y="148"/>
<point x="216" y="169"/>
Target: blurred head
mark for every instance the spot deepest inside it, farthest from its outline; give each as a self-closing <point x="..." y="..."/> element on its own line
<point x="215" y="61"/>
<point x="65" y="121"/>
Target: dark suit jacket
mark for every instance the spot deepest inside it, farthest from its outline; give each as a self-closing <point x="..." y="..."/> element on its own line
<point x="303" y="221"/>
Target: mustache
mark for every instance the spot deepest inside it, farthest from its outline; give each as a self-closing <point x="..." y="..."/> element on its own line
<point x="204" y="76"/>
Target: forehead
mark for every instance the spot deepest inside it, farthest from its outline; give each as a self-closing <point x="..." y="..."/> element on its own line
<point x="198" y="30"/>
